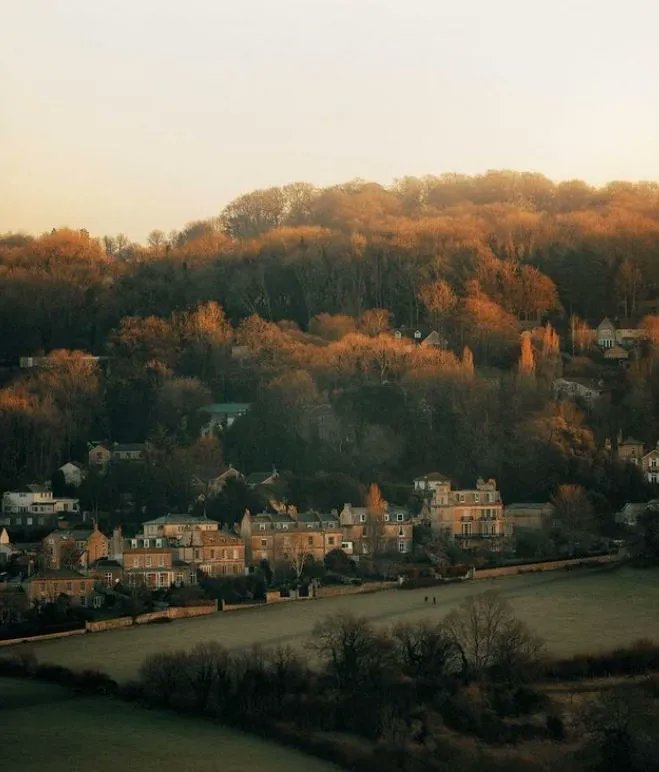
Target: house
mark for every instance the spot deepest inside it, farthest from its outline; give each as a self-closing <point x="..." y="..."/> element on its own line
<point x="107" y="572"/>
<point x="48" y="585"/>
<point x="154" y="567"/>
<point x="472" y="517"/>
<point x="528" y="515"/>
<point x="13" y="603"/>
<point x="605" y="334"/>
<point x="630" y="451"/>
<point x="215" y="485"/>
<point x="223" y="554"/>
<point x="73" y="472"/>
<point x="179" y="527"/>
<point x="367" y="534"/>
<point x="35" y="507"/>
<point x="435" y="340"/>
<point x="256" y="479"/>
<point x="99" y="455"/>
<point x="221" y="415"/>
<point x="131" y="452"/>
<point x="583" y="389"/>
<point x="650" y="465"/>
<point x="282" y="538"/>
<point x="67" y="548"/>
<point x="428" y="483"/>
<point x="630" y="513"/>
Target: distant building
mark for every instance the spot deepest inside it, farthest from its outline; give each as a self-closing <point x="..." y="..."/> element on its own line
<point x="101" y="454"/>
<point x="472" y="517"/>
<point x="79" y="547"/>
<point x="584" y="389"/>
<point x="630" y="513"/>
<point x="650" y="465"/>
<point x="47" y="586"/>
<point x="257" y="479"/>
<point x="221" y="415"/>
<point x="365" y="534"/>
<point x="35" y="507"/>
<point x="286" y="538"/>
<point x="428" y="483"/>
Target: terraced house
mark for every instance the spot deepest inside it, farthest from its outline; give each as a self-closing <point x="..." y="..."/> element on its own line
<point x="289" y="537"/>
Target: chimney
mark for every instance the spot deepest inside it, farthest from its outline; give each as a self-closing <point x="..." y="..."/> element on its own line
<point x="117" y="544"/>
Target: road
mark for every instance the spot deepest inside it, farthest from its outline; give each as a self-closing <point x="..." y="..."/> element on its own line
<point x="573" y="611"/>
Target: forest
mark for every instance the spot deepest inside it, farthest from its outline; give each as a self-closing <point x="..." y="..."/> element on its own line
<point x="304" y="301"/>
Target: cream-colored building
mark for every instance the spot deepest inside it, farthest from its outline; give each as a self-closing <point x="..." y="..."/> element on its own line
<point x="472" y="517"/>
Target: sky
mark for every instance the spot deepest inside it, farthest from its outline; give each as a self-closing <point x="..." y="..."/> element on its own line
<point x="131" y="115"/>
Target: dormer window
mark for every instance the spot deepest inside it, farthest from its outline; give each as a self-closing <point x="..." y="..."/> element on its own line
<point x="400" y="517"/>
<point x="362" y="518"/>
<point x="158" y="542"/>
<point x="133" y="543"/>
<point x="262" y="526"/>
<point x="146" y="544"/>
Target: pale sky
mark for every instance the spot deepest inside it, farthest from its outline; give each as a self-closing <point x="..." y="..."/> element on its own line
<point x="130" y="115"/>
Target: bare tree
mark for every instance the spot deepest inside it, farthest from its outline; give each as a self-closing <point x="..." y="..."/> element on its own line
<point x="490" y="639"/>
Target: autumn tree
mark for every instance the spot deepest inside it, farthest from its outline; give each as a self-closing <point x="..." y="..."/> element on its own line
<point x="439" y="300"/>
<point x="526" y="365"/>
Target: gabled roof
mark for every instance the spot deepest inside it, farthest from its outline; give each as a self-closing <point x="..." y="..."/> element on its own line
<point x="72" y="533"/>
<point x="259" y="478"/>
<point x="56" y="573"/>
<point x="38" y="487"/>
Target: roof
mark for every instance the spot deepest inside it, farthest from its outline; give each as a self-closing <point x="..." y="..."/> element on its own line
<point x="259" y="478"/>
<point x="230" y="408"/>
<point x="127" y="446"/>
<point x="56" y="573"/>
<point x="171" y="519"/>
<point x="432" y="477"/>
<point x="72" y="533"/>
<point x="630" y="441"/>
<point x="106" y="563"/>
<point x="77" y="464"/>
<point x="38" y="487"/>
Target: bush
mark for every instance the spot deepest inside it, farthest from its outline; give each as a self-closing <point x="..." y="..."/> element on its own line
<point x="555" y="728"/>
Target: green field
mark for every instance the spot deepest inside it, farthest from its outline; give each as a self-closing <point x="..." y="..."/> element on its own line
<point x="44" y="728"/>
<point x="574" y="611"/>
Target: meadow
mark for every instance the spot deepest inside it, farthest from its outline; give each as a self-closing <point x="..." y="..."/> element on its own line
<point x="587" y="610"/>
<point x="45" y="728"/>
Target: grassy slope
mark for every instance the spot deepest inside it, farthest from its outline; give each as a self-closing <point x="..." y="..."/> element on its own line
<point x="47" y="729"/>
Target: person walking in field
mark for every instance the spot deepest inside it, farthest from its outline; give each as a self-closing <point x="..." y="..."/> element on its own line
<point x="425" y="600"/>
<point x="434" y="600"/>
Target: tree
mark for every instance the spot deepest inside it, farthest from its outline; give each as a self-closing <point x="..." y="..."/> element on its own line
<point x="426" y="651"/>
<point x="439" y="299"/>
<point x="354" y="654"/>
<point x="526" y="364"/>
<point x="490" y="640"/>
<point x="573" y="510"/>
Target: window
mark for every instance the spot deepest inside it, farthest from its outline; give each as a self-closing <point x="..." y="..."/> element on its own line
<point x="386" y="518"/>
<point x="158" y="542"/>
<point x="401" y="546"/>
<point x="212" y="554"/>
<point x="401" y="532"/>
<point x="69" y="586"/>
<point x="310" y="540"/>
<point x="235" y="554"/>
<point x="309" y="525"/>
<point x="108" y="578"/>
<point x="262" y="526"/>
<point x="133" y="543"/>
<point x="477" y="497"/>
<point x="29" y="520"/>
<point x="146" y="544"/>
<point x="161" y="561"/>
<point x="362" y="518"/>
<point x="461" y="498"/>
<point x="330" y="541"/>
<point x="466" y="529"/>
<point x="264" y="542"/>
<point x="147" y="561"/>
<point x="400" y="517"/>
<point x="136" y="562"/>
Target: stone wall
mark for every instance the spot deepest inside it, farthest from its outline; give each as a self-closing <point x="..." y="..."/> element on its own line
<point x="351" y="589"/>
<point x="64" y="634"/>
<point x="547" y="565"/>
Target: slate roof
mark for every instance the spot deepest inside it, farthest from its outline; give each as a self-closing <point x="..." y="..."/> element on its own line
<point x="171" y="519"/>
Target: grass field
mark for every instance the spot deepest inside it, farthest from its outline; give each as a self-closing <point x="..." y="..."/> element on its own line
<point x="575" y="611"/>
<point x="44" y="728"/>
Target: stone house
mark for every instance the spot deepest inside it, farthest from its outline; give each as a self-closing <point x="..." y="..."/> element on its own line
<point x="472" y="517"/>
<point x="35" y="507"/>
<point x="366" y="534"/>
<point x="282" y="538"/>
<point x="81" y="546"/>
<point x="650" y="465"/>
<point x="48" y="585"/>
<point x="535" y="516"/>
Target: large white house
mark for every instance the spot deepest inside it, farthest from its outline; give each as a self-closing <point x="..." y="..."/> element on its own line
<point x="34" y="506"/>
